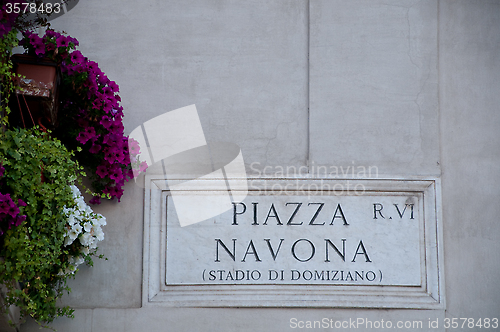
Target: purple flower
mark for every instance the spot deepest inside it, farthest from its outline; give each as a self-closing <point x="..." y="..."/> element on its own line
<point x="35" y="40"/>
<point x="114" y="192"/>
<point x="116" y="127"/>
<point x="113" y="154"/>
<point x="114" y="87"/>
<point x="83" y="123"/>
<point x="109" y="139"/>
<point x="3" y="14"/>
<point x="106" y="121"/>
<point x="40" y="50"/>
<point x="85" y="135"/>
<point x="9" y="211"/>
<point x="102" y="171"/>
<point x="116" y="174"/>
<point x="4" y="29"/>
<point x="95" y="200"/>
<point x="19" y="220"/>
<point x="97" y="104"/>
<point x="50" y="47"/>
<point x="62" y="41"/>
<point x="69" y="70"/>
<point x="74" y="41"/>
<point x="95" y="148"/>
<point x="77" y="57"/>
<point x="4" y="207"/>
<point x="51" y="33"/>
<point x="13" y="209"/>
<point x="92" y="65"/>
<point x="108" y="92"/>
<point x="108" y="108"/>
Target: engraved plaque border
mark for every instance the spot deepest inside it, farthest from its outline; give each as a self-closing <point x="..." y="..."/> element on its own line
<point x="429" y="295"/>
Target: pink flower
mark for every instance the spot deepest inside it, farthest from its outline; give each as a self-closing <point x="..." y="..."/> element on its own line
<point x="133" y="146"/>
<point x="143" y="166"/>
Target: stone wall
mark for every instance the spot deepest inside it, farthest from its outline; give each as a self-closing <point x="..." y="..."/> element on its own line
<point x="410" y="87"/>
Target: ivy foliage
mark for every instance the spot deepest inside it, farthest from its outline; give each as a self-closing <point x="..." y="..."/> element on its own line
<point x="38" y="170"/>
<point x="7" y="43"/>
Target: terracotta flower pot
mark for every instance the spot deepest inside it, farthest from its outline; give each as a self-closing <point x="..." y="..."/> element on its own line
<point x="36" y="100"/>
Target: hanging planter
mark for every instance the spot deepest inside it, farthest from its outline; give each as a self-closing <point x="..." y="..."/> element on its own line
<point x="35" y="100"/>
<point x="90" y="116"/>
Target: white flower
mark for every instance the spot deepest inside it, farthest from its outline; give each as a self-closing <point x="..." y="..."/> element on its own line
<point x="99" y="234"/>
<point x="70" y="270"/>
<point x="93" y="244"/>
<point x="72" y="220"/>
<point x="87" y="226"/>
<point x="85" y="239"/>
<point x="74" y="232"/>
<point x="101" y="220"/>
<point x="76" y="260"/>
<point x="81" y="204"/>
<point x="83" y="224"/>
<point x="68" y="240"/>
<point x="77" y="228"/>
<point x="75" y="190"/>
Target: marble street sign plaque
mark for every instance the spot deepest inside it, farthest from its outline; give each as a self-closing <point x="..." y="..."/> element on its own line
<point x="327" y="239"/>
<point x="375" y="247"/>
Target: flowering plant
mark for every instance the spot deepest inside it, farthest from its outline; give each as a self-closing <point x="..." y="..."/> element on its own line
<point x="83" y="231"/>
<point x="90" y="115"/>
<point x="8" y="40"/>
<point x="9" y="210"/>
<point x="37" y="173"/>
<point x="46" y="228"/>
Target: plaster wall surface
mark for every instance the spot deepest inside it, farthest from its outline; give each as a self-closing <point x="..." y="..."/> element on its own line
<point x="408" y="86"/>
